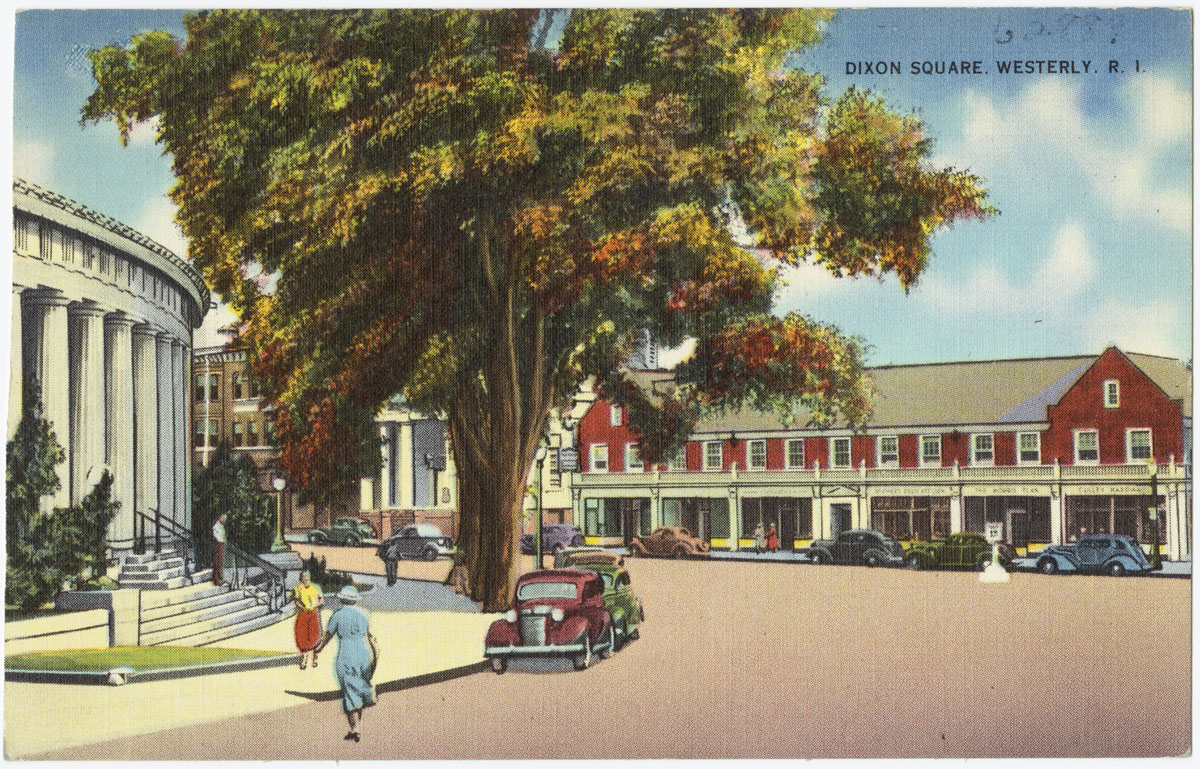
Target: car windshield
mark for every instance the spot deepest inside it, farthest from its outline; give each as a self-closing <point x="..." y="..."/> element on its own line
<point x="534" y="590"/>
<point x="608" y="580"/>
<point x="427" y="530"/>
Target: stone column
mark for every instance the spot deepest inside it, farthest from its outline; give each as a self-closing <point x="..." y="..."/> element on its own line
<point x="402" y="472"/>
<point x="119" y="421"/>
<point x="179" y="387"/>
<point x="1056" y="518"/>
<point x="735" y="520"/>
<point x="145" y="424"/>
<point x="47" y="369"/>
<point x="956" y="513"/>
<point x="87" y="397"/>
<point x="166" y="427"/>
<point x="386" y="475"/>
<point x="16" y="380"/>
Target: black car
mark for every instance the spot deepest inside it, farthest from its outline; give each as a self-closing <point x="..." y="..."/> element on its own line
<point x="857" y="546"/>
<point x="419" y="540"/>
<point x="555" y="537"/>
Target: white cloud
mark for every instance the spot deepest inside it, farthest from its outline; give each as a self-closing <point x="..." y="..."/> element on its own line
<point x="33" y="161"/>
<point x="1164" y="111"/>
<point x="1148" y="328"/>
<point x="144" y="133"/>
<point x="1070" y="266"/>
<point x="207" y="335"/>
<point x="157" y="222"/>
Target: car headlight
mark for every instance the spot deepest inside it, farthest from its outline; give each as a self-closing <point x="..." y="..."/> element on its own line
<point x="510" y="615"/>
<point x="557" y="615"/>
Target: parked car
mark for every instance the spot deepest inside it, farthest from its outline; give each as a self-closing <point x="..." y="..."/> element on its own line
<point x="624" y="609"/>
<point x="1112" y="554"/>
<point x="671" y="542"/>
<point x="588" y="554"/>
<point x="857" y="546"/>
<point x="555" y="536"/>
<point x="417" y="540"/>
<point x="958" y="550"/>
<point x="344" y="531"/>
<point x="555" y="613"/>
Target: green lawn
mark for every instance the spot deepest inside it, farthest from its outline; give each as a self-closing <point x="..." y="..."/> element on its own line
<point x="139" y="658"/>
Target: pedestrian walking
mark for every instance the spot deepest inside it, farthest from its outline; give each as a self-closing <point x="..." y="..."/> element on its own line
<point x="307" y="598"/>
<point x="357" y="656"/>
<point x="389" y="552"/>
<point x="218" y="564"/>
<point x="772" y="539"/>
<point x="760" y="538"/>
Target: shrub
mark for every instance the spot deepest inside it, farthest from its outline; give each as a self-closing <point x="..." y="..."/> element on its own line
<point x="230" y="485"/>
<point x="329" y="580"/>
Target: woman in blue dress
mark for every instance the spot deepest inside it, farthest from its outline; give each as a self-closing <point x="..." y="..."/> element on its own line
<point x="356" y="658"/>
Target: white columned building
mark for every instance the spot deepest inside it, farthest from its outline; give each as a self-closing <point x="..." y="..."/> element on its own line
<point x="102" y="323"/>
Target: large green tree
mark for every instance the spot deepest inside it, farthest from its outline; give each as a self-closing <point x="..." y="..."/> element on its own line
<point x="438" y="204"/>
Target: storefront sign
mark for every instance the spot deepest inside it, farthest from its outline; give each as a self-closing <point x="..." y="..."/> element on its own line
<point x="912" y="491"/>
<point x="1006" y="490"/>
<point x="568" y="460"/>
<point x="1106" y="490"/>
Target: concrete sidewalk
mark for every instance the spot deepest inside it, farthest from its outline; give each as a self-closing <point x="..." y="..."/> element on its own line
<point x="414" y="648"/>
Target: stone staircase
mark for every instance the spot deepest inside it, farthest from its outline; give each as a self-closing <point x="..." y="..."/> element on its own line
<point x="176" y="612"/>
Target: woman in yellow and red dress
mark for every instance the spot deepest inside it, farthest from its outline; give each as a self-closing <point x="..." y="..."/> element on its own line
<point x="307" y="598"/>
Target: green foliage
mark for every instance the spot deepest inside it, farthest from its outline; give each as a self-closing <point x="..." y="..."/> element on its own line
<point x="47" y="550"/>
<point x="229" y="485"/>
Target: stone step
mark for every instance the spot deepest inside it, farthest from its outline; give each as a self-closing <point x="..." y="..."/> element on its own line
<point x="157" y="565"/>
<point x="150" y="555"/>
<point x="182" y="595"/>
<point x="228" y="604"/>
<point x="191" y="633"/>
<point x="232" y="631"/>
<point x="169" y="583"/>
<point x="203" y="600"/>
<point x="160" y="574"/>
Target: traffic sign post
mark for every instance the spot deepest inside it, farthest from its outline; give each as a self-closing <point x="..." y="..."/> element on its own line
<point x="994" y="573"/>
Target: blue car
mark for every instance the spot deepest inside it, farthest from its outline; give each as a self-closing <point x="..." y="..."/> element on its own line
<point x="1111" y="554"/>
<point x="555" y="537"/>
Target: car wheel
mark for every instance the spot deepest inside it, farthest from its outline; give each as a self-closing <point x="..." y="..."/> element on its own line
<point x="634" y="634"/>
<point x="499" y="665"/>
<point x="584" y="658"/>
<point x="679" y="552"/>
<point x="1115" y="569"/>
<point x="607" y="647"/>
<point x="1047" y="566"/>
<point x="984" y="561"/>
<point x="819" y="559"/>
<point x="871" y="560"/>
<point x="315" y="538"/>
<point x="430" y="554"/>
<point x="619" y="635"/>
<point x="913" y="562"/>
<point x="352" y="541"/>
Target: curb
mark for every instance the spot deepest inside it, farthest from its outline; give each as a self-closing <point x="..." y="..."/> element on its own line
<point x="1022" y="569"/>
<point x="412" y="682"/>
<point x="101" y="677"/>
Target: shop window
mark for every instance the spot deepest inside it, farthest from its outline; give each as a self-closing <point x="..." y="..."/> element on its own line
<point x="983" y="451"/>
<point x="1112" y="394"/>
<point x="714" y="458"/>
<point x="756" y="452"/>
<point x="1029" y="448"/>
<point x="887" y="453"/>
<point x="1087" y="447"/>
<point x="840" y="451"/>
<point x="792" y="517"/>
<point x="931" y="451"/>
<point x="1138" y="446"/>
<point x="795" y="454"/>
<point x="909" y="518"/>
<point x="599" y="458"/>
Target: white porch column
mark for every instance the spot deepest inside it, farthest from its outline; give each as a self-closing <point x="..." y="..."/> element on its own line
<point x="87" y="397"/>
<point x="385" y="469"/>
<point x="119" y="423"/>
<point x="145" y="410"/>
<point x="48" y="371"/>
<point x="16" y="378"/>
<point x="179" y="392"/>
<point x="735" y="519"/>
<point x="402" y="473"/>
<point x="956" y="513"/>
<point x="166" y="427"/>
<point x="1056" y="518"/>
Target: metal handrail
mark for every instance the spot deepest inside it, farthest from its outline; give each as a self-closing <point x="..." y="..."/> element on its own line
<point x="177" y="535"/>
<point x="243" y="576"/>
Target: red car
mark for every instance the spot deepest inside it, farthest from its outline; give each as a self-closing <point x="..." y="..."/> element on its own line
<point x="555" y="613"/>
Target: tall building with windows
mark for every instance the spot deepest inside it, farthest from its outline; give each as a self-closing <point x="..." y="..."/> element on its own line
<point x="102" y="323"/>
<point x="1049" y="448"/>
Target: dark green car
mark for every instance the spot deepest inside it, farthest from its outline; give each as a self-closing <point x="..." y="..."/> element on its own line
<point x="622" y="605"/>
<point x="344" y="531"/>
<point x="963" y="549"/>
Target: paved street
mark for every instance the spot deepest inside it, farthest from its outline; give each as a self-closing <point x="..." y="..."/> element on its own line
<point x="758" y="660"/>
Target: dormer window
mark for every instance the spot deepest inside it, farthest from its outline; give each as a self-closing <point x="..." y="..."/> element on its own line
<point x="1112" y="394"/>
<point x="614" y="414"/>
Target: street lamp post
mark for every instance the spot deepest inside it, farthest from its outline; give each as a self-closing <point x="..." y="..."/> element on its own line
<point x="278" y="546"/>
<point x="1155" y="558"/>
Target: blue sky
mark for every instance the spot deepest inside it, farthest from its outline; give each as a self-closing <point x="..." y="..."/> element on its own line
<point x="1092" y="173"/>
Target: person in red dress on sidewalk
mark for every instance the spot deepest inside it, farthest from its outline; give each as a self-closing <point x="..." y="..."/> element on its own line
<point x="772" y="539"/>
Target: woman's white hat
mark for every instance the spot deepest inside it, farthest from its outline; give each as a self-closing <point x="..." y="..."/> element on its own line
<point x="348" y="594"/>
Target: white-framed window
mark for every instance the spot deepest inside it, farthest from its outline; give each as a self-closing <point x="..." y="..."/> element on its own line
<point x="675" y="462"/>
<point x="1029" y="448"/>
<point x="1139" y="446"/>
<point x="887" y="451"/>
<point x="756" y="455"/>
<point x="839" y="452"/>
<point x="983" y="449"/>
<point x="714" y="456"/>
<point x="1112" y="393"/>
<point x="614" y="415"/>
<point x="931" y="451"/>
<point x="632" y="460"/>
<point x="237" y="434"/>
<point x="795" y="454"/>
<point x="598" y="458"/>
<point x="1087" y="447"/>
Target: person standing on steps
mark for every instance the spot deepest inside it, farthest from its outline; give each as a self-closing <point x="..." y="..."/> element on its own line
<point x="218" y="564"/>
<point x="357" y="657"/>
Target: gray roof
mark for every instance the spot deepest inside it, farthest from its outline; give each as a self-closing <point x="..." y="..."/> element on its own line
<point x="962" y="393"/>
